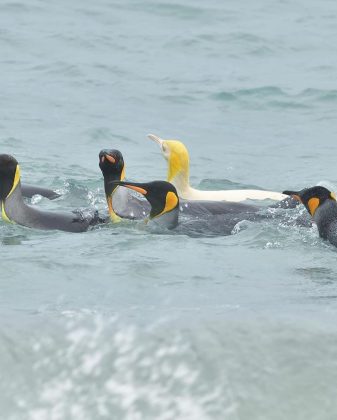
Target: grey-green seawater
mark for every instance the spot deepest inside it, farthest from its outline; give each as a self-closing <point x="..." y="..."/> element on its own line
<point x="121" y="323"/>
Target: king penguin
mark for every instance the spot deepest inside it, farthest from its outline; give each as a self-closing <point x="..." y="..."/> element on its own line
<point x="163" y="199"/>
<point x="322" y="206"/>
<point x="14" y="209"/>
<point x="177" y="156"/>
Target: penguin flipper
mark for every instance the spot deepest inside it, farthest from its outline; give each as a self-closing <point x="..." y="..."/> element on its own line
<point x="29" y="190"/>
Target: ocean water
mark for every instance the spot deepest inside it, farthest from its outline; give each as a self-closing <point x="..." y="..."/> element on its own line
<point x="122" y="323"/>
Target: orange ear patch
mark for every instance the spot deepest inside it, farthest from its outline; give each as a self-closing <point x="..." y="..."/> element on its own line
<point x="171" y="201"/>
<point x="313" y="204"/>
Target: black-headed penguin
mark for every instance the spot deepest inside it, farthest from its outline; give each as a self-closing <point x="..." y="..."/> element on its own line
<point x="163" y="199"/>
<point x="322" y="206"/>
<point x="14" y="209"/>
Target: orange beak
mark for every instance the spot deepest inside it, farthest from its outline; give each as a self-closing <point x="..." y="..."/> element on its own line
<point x="293" y="195"/>
<point x="138" y="189"/>
<point x="110" y="158"/>
<point x="297" y="197"/>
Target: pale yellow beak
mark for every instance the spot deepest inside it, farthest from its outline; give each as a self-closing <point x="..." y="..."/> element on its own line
<point x="157" y="139"/>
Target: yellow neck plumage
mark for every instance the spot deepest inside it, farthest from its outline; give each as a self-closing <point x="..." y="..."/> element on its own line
<point x="15" y="184"/>
<point x="113" y="216"/>
<point x="178" y="162"/>
<point x="16" y="180"/>
<point x="3" y="213"/>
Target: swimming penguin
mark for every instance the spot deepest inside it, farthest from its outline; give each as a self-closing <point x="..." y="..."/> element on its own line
<point x="177" y="157"/>
<point x="163" y="199"/>
<point x="14" y="209"/>
<point x="322" y="206"/>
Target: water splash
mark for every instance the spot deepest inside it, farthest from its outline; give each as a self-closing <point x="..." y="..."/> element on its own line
<point x="104" y="369"/>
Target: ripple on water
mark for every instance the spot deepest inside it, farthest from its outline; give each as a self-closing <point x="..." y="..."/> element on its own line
<point x="276" y="98"/>
<point x="106" y="134"/>
<point x="320" y="274"/>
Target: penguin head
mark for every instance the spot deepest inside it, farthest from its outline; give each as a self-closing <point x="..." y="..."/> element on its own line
<point x="9" y="175"/>
<point x="163" y="199"/>
<point x="312" y="197"/>
<point x="111" y="163"/>
<point x="176" y="154"/>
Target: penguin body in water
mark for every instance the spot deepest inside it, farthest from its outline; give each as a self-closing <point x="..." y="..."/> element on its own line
<point x="322" y="206"/>
<point x="14" y="209"/>
<point x="163" y="199"/>
<point x="177" y="157"/>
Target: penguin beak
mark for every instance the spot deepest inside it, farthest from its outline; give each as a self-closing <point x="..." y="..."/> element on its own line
<point x="109" y="158"/>
<point x="293" y="194"/>
<point x="131" y="187"/>
<point x="157" y="139"/>
<point x="138" y="189"/>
